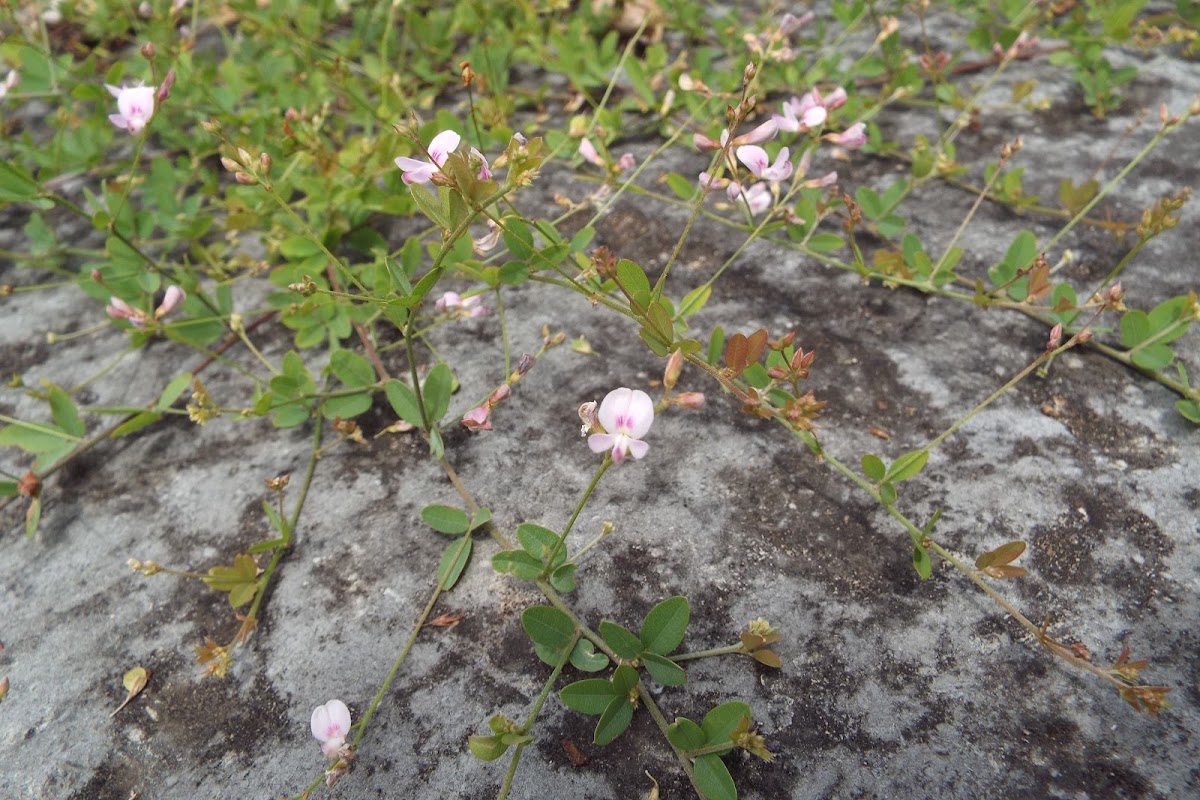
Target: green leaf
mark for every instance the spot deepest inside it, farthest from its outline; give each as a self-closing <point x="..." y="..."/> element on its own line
<point x="240" y="580"/>
<point x="665" y="625"/>
<point x="298" y="248"/>
<point x="1135" y="328"/>
<point x="582" y="238"/>
<point x="486" y="748"/>
<point x="437" y="388"/>
<point x="519" y="564"/>
<point x="826" y="243"/>
<point x="33" y="515"/>
<point x="922" y="563"/>
<point x="887" y="493"/>
<point x="445" y="519"/>
<point x="873" y="467"/>
<point x="589" y="696"/>
<point x="429" y="205"/>
<point x="35" y="438"/>
<point x="563" y="578"/>
<point x="624" y="679"/>
<point x="614" y="721"/>
<point x="1190" y="410"/>
<point x="713" y="778"/>
<point x="454" y="561"/>
<point x="518" y="239"/>
<point x="481" y="517"/>
<point x="664" y="670"/>
<point x="176" y="387"/>
<point x="538" y="541"/>
<point x="347" y="406"/>
<point x="694" y="300"/>
<point x="681" y="186"/>
<point x="656" y="343"/>
<point x="62" y="408"/>
<point x="1155" y="356"/>
<point x="907" y="466"/>
<point x="716" y="346"/>
<point x="584" y="657"/>
<point x="631" y="278"/>
<point x="290" y="416"/>
<point x="1022" y="251"/>
<point x="136" y="423"/>
<point x="548" y="627"/>
<point x="351" y="368"/>
<point x="685" y="734"/>
<point x="9" y="489"/>
<point x="623" y="643"/>
<point x="404" y="402"/>
<point x="723" y="720"/>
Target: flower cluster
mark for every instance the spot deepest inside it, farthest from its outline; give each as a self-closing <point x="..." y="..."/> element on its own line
<point x="806" y="114"/>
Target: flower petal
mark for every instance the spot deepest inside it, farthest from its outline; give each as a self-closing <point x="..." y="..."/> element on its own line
<point x="599" y="442"/>
<point x="443" y="145"/>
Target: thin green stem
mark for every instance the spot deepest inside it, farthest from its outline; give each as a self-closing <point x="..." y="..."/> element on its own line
<point x="558" y="546"/>
<point x="729" y="649"/>
<point x="547" y="687"/>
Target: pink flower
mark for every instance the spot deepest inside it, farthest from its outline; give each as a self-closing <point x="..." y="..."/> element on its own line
<point x="763" y="133"/>
<point x="417" y="171"/>
<point x="626" y="161"/>
<point x="455" y="305"/>
<point x="810" y="111"/>
<point x="489" y="240"/>
<point x="626" y="415"/>
<point x="171" y="301"/>
<point x="588" y="151"/>
<point x="330" y="724"/>
<point x="757" y="198"/>
<point x="477" y="418"/>
<point x="709" y="182"/>
<point x="759" y="163"/>
<point x="135" y="104"/>
<point x="119" y="309"/>
<point x="852" y="138"/>
<point x="828" y="179"/>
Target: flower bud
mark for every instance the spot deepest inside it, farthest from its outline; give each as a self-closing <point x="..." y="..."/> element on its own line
<point x="164" y="90"/>
<point x="588" y="414"/>
<point x="264" y="163"/>
<point x="692" y="400"/>
<point x="674" y="367"/>
<point x="170" y="302"/>
<point x="229" y="164"/>
<point x="148" y="51"/>
<point x="499" y="395"/>
<point x="245" y="178"/>
<point x="1055" y="337"/>
<point x="525" y="364"/>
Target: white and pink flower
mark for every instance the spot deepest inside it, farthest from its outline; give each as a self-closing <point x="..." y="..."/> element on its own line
<point x="759" y="163"/>
<point x="135" y="105"/>
<point x="625" y="415"/>
<point x="417" y="171"/>
<point x="330" y="725"/>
